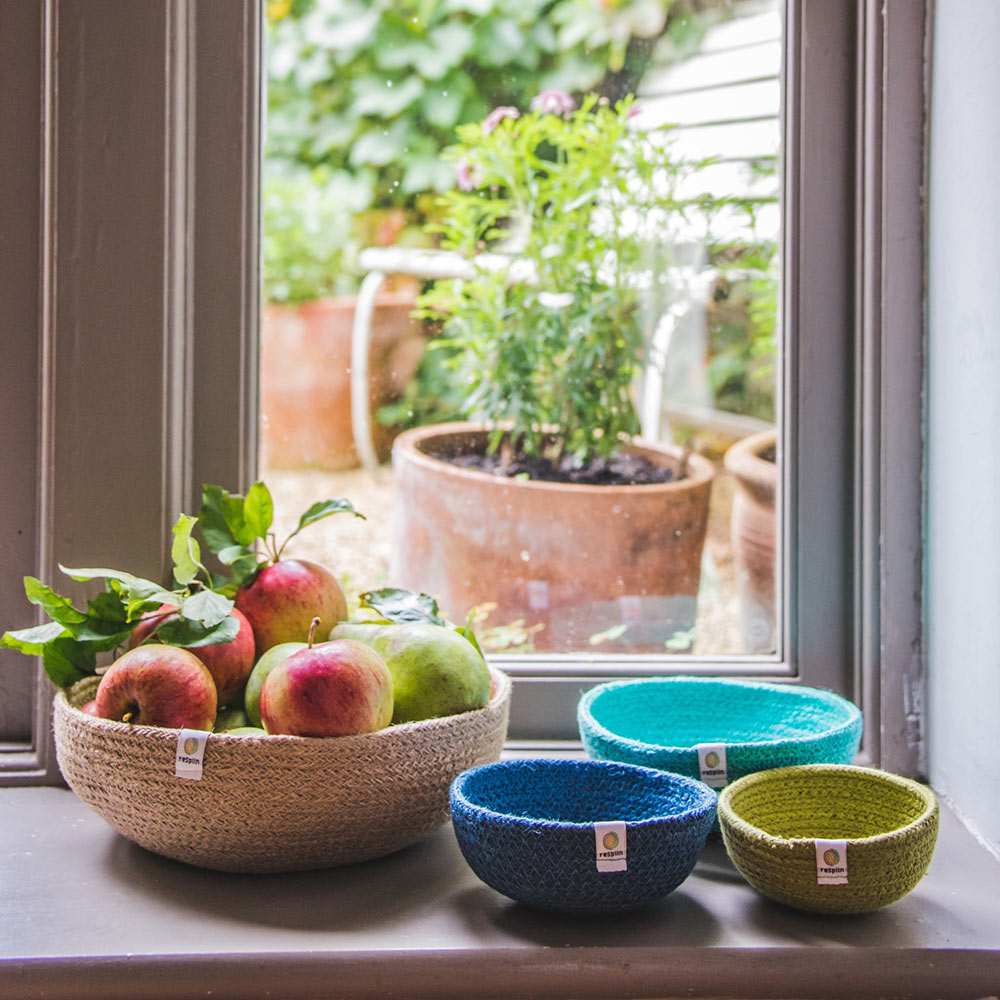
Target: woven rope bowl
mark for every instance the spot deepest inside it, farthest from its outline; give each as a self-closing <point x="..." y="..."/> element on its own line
<point x="527" y="829"/>
<point x="275" y="803"/>
<point x="660" y="722"/>
<point x="771" y="820"/>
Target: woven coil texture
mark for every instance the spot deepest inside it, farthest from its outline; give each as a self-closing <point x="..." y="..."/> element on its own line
<point x="275" y="803"/>
<point x="771" y="820"/>
<point x="526" y="828"/>
<point x="659" y="722"/>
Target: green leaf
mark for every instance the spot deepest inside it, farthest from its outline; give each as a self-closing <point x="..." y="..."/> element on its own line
<point x="212" y="520"/>
<point x="231" y="553"/>
<point x="31" y="641"/>
<point x="403" y="605"/>
<point x="67" y="661"/>
<point x="245" y="569"/>
<point x="222" y="520"/>
<point x="258" y="510"/>
<point x="188" y="633"/>
<point x="466" y="632"/>
<point x="206" y="607"/>
<point x="324" y="508"/>
<point x="57" y="607"/>
<point x="185" y="552"/>
<point x="137" y="588"/>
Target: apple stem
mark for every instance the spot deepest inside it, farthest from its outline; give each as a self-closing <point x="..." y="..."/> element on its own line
<point x="313" y="625"/>
<point x="127" y="717"/>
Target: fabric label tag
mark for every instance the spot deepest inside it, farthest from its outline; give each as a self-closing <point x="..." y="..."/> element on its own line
<point x="190" y="754"/>
<point x="831" y="862"/>
<point x="712" y="764"/>
<point x="611" y="847"/>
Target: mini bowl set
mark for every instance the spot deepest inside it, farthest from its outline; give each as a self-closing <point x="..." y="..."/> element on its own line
<point x="800" y="822"/>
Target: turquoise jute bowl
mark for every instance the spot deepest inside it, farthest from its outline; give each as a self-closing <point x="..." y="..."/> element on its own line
<point x="829" y="838"/>
<point x="717" y="730"/>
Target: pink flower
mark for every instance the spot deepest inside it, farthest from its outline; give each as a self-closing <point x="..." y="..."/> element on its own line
<point x="553" y="102"/>
<point x="497" y="115"/>
<point x="464" y="174"/>
<point x="635" y="110"/>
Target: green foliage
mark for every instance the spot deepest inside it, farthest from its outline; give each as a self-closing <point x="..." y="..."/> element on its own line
<point x="233" y="525"/>
<point x="71" y="641"/>
<point x="308" y="241"/>
<point x="375" y="88"/>
<point x="575" y="222"/>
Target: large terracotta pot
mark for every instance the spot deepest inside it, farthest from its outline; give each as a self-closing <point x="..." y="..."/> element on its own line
<point x="305" y="378"/>
<point x="751" y="462"/>
<point x="578" y="560"/>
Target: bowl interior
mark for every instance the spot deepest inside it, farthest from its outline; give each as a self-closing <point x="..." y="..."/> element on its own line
<point x="685" y="712"/>
<point x="581" y="792"/>
<point x="835" y="804"/>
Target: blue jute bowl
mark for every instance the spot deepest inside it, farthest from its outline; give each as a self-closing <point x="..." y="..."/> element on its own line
<point x="533" y="829"/>
<point x="661" y="722"/>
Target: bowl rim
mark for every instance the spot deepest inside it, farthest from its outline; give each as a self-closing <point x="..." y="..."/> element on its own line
<point x="728" y="817"/>
<point x="708" y="803"/>
<point x="501" y="693"/>
<point x="585" y="714"/>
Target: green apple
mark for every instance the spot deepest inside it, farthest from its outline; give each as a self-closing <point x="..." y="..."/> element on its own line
<point x="435" y="671"/>
<point x="267" y="662"/>
<point x="246" y="731"/>
<point x="229" y="719"/>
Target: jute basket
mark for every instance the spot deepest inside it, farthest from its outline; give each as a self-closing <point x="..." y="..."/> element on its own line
<point x="888" y="825"/>
<point x="275" y="803"/>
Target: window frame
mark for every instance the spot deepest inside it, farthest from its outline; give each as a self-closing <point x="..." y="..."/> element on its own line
<point x="854" y="622"/>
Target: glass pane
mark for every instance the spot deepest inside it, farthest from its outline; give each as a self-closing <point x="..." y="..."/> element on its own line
<point x="554" y="224"/>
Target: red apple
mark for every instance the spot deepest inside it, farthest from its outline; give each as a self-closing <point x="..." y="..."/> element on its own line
<point x="284" y="597"/>
<point x="158" y="685"/>
<point x="334" y="688"/>
<point x="229" y="663"/>
<point x="90" y="708"/>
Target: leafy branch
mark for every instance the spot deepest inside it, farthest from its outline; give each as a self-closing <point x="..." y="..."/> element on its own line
<point x="236" y="528"/>
<point x="71" y="641"/>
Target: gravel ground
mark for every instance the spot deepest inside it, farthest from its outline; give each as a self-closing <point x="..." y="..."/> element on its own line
<point x="358" y="550"/>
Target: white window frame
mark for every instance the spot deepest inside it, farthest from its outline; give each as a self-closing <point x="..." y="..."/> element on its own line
<point x="164" y="139"/>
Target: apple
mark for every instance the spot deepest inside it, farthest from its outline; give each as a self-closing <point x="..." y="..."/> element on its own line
<point x="435" y="671"/>
<point x="158" y="685"/>
<point x="229" y="719"/>
<point x="267" y="662"/>
<point x="90" y="707"/>
<point x="285" y="596"/>
<point x="334" y="688"/>
<point x="229" y="663"/>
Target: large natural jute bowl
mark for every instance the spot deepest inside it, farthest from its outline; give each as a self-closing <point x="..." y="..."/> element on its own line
<point x="275" y="803"/>
<point x="771" y="821"/>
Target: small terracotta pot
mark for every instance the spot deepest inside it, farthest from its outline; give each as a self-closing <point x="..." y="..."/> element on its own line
<point x="305" y="378"/>
<point x="753" y="536"/>
<point x="577" y="559"/>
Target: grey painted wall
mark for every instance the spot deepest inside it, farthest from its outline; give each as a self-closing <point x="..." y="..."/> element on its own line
<point x="963" y="412"/>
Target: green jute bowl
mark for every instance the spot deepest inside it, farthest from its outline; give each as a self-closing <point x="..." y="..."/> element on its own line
<point x="772" y="820"/>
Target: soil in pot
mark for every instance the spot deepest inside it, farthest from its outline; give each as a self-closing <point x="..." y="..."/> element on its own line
<point x="599" y="568"/>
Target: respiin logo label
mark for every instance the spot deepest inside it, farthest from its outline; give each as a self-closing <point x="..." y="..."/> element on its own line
<point x="190" y="745"/>
<point x="610" y="841"/>
<point x="831" y="857"/>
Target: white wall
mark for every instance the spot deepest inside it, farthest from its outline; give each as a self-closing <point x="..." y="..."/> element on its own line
<point x="963" y="406"/>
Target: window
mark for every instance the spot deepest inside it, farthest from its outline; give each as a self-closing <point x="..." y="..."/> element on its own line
<point x="147" y="352"/>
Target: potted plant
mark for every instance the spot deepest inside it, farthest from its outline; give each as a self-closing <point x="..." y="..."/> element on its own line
<point x="309" y="301"/>
<point x="545" y="503"/>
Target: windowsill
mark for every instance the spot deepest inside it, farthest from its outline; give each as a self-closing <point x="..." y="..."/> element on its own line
<point x="88" y="914"/>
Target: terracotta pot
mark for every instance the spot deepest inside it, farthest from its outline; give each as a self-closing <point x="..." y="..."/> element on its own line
<point x="753" y="533"/>
<point x="578" y="560"/>
<point x="305" y="378"/>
